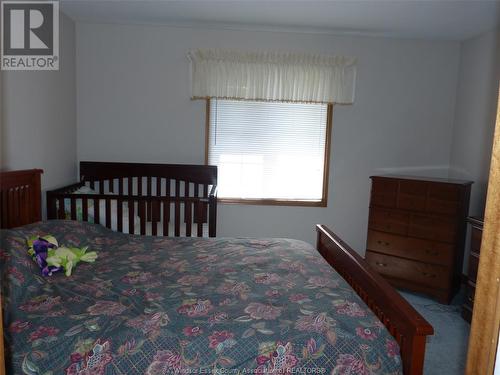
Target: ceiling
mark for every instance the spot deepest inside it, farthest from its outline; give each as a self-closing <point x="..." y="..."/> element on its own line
<point x="422" y="19"/>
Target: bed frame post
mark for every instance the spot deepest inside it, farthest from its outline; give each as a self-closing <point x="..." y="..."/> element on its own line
<point x="212" y="216"/>
<point x="51" y="206"/>
<point x="21" y="197"/>
<point x="413" y="352"/>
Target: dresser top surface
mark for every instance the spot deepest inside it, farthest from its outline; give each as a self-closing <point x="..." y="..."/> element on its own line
<point x="422" y="178"/>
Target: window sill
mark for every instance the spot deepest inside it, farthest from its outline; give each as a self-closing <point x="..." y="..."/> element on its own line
<point x="273" y="202"/>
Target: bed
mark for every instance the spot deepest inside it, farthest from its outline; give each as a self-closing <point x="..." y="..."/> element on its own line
<point x="200" y="305"/>
<point x="141" y="198"/>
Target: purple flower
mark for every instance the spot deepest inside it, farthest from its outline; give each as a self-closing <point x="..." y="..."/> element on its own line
<point x="218" y="337"/>
<point x="366" y="333"/>
<point x="350" y="309"/>
<point x="109" y="308"/>
<point x="347" y="364"/>
<point x="149" y="324"/>
<point x="319" y="323"/>
<point x="196" y="308"/>
<point x="193" y="280"/>
<point x="16" y="274"/>
<point x="94" y="362"/>
<point x="19" y="326"/>
<point x="392" y="348"/>
<point x="166" y="362"/>
<point x="267" y="278"/>
<point x="312" y="349"/>
<point x="234" y="288"/>
<point x="192" y="331"/>
<point x="42" y="332"/>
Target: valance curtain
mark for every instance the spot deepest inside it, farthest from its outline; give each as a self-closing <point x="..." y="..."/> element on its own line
<point x="272" y="76"/>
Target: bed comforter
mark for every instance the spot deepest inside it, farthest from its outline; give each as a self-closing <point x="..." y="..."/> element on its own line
<point x="153" y="305"/>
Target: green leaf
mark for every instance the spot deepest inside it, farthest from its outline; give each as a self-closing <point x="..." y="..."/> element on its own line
<point x="248" y="333"/>
<point x="265" y="331"/>
<point x="244" y="318"/>
<point x="29" y="367"/>
<point x="226" y="361"/>
<point x="74" y="330"/>
<point x="37" y="343"/>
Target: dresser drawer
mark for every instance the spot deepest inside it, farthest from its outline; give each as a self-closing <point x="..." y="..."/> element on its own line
<point x="413" y="187"/>
<point x="443" y="199"/>
<point x="433" y="228"/>
<point x="444" y="192"/>
<point x="473" y="266"/>
<point x="388" y="220"/>
<point x="470" y="291"/>
<point x="412" y="195"/>
<point x="412" y="248"/>
<point x="384" y="192"/>
<point x="475" y="241"/>
<point x="441" y="206"/>
<point x="430" y="275"/>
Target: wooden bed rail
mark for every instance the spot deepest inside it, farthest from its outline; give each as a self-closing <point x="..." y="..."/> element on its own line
<point x="407" y="326"/>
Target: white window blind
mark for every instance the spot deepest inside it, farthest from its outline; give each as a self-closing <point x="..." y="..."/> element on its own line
<point x="268" y="150"/>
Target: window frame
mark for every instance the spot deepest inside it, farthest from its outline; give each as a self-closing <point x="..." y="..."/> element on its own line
<point x="281" y="202"/>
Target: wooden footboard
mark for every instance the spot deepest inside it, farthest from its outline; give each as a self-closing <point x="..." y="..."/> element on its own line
<point x="407" y="326"/>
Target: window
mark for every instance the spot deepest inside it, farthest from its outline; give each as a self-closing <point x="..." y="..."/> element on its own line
<point x="269" y="152"/>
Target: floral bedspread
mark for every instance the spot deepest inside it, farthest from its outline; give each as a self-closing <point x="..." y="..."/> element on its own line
<point x="153" y="305"/>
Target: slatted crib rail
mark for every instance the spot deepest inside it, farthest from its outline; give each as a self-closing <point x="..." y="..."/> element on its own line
<point x="178" y="211"/>
<point x="167" y="198"/>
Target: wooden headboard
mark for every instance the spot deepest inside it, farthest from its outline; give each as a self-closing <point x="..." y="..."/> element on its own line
<point x="20" y="198"/>
<point x="20" y="204"/>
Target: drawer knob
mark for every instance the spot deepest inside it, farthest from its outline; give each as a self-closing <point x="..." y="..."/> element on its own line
<point x="431" y="252"/>
<point x="381" y="264"/>
<point x="383" y="243"/>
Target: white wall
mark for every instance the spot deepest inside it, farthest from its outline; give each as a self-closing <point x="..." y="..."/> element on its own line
<point x="39" y="117"/>
<point x="133" y="105"/>
<point x="475" y="114"/>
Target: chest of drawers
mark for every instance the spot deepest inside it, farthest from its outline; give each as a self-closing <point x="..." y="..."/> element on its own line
<point x="416" y="233"/>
